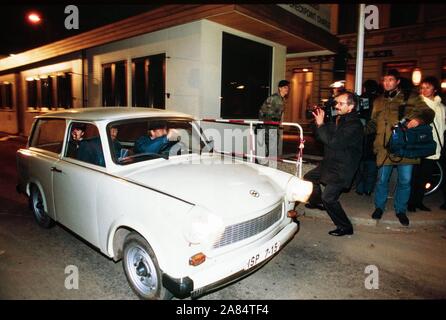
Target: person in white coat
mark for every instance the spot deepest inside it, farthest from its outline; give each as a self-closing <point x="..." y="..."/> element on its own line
<point x="429" y="91"/>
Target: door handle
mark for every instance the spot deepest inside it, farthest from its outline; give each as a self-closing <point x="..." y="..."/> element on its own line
<point x="54" y="169"/>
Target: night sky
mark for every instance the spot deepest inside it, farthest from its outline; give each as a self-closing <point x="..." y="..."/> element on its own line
<point x="18" y="35"/>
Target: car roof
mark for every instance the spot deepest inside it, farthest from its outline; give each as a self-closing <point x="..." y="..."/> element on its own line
<point x="112" y="113"/>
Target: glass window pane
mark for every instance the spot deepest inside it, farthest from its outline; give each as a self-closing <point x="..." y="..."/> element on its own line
<point x="32" y="93"/>
<point x="246" y="77"/>
<point x="149" y="80"/>
<point x="120" y="84"/>
<point x="84" y="144"/>
<point x="49" y="135"/>
<point x="107" y="93"/>
<point x="64" y="93"/>
<point x="46" y="89"/>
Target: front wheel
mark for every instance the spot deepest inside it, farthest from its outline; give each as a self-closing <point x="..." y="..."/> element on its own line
<point x="38" y="209"/>
<point x="142" y="270"/>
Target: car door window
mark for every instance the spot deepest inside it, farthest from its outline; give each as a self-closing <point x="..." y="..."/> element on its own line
<point x="84" y="144"/>
<point x="48" y="135"/>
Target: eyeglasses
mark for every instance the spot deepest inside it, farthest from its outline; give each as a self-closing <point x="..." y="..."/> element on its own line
<point x="341" y="103"/>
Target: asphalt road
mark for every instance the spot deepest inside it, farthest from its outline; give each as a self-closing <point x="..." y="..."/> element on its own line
<point x="404" y="264"/>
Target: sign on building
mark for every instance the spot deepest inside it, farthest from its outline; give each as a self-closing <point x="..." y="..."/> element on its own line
<point x="317" y="14"/>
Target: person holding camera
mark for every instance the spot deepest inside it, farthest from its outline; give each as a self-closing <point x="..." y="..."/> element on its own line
<point x="385" y="116"/>
<point x="342" y="142"/>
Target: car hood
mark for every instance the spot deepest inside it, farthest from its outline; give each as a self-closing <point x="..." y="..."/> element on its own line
<point x="229" y="190"/>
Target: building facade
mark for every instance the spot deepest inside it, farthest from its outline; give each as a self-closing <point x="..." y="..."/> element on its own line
<point x="413" y="41"/>
<point x="206" y="60"/>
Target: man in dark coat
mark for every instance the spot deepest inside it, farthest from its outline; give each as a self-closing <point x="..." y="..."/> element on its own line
<point x="342" y="152"/>
<point x="77" y="138"/>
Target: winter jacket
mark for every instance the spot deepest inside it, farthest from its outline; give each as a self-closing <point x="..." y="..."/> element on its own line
<point x="439" y="122"/>
<point x="272" y="109"/>
<point x="385" y="116"/>
<point x="342" y="149"/>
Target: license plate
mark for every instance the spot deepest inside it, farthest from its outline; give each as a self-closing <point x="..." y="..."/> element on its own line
<point x="263" y="254"/>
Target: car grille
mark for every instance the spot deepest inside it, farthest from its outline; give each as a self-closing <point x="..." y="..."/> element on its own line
<point x="246" y="229"/>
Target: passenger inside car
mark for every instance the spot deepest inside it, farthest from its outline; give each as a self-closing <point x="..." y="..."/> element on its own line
<point x="155" y="141"/>
<point x="85" y="144"/>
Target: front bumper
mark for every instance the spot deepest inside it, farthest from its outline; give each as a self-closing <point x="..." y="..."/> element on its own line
<point x="228" y="271"/>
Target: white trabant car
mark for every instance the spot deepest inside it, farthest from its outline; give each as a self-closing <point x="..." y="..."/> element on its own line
<point x="144" y="186"/>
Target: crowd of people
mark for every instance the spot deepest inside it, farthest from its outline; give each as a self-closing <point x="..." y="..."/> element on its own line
<point x="355" y="133"/>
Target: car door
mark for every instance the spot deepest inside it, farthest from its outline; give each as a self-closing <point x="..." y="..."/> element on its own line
<point x="75" y="184"/>
<point x="45" y="146"/>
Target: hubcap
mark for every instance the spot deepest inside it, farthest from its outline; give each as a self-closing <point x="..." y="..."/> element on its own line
<point x="141" y="270"/>
<point x="38" y="205"/>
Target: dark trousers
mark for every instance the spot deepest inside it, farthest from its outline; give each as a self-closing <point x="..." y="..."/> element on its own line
<point x="329" y="198"/>
<point x="421" y="174"/>
<point x="366" y="176"/>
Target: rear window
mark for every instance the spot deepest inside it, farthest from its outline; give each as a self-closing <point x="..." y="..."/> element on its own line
<point x="48" y="135"/>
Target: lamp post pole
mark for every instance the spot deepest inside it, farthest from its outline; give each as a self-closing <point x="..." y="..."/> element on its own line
<point x="360" y="50"/>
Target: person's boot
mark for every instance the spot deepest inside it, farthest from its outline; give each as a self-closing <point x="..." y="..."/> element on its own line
<point x="404" y="220"/>
<point x="443" y="206"/>
<point x="377" y="214"/>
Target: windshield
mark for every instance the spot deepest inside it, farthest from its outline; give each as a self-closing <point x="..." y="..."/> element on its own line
<point x="136" y="140"/>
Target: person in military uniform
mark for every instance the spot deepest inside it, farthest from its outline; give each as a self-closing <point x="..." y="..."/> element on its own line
<point x="272" y="110"/>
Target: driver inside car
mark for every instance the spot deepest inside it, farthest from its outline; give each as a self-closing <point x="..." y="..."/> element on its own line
<point x="157" y="139"/>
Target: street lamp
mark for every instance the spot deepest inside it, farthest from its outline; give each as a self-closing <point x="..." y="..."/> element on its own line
<point x="34" y="18"/>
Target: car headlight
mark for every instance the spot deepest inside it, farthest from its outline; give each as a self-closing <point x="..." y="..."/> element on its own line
<point x="298" y="190"/>
<point x="202" y="227"/>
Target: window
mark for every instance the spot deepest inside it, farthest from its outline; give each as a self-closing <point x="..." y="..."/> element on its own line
<point x="50" y="91"/>
<point x="129" y="140"/>
<point x="64" y="93"/>
<point x="404" y="14"/>
<point x="46" y="92"/>
<point x="114" y="88"/>
<point x="6" y="95"/>
<point x="246" y="77"/>
<point x="31" y="88"/>
<point x="48" y="135"/>
<point x="84" y="144"/>
<point x="148" y="81"/>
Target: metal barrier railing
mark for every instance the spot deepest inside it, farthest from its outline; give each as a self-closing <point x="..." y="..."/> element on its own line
<point x="251" y="155"/>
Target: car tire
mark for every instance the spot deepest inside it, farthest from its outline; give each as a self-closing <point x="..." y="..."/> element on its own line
<point x="142" y="270"/>
<point x="36" y="202"/>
